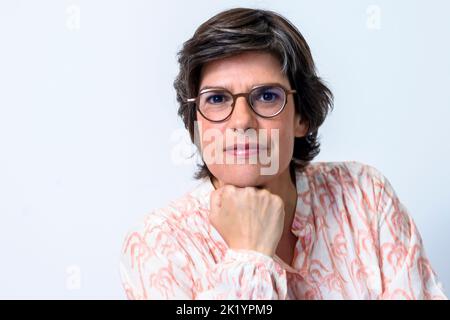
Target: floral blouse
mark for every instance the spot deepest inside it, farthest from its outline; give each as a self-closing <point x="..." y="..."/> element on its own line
<point x="356" y="240"/>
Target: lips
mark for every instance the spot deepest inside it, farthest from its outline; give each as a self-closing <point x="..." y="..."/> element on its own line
<point x="244" y="150"/>
<point x="243" y="146"/>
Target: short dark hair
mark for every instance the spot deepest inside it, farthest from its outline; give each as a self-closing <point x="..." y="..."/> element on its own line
<point x="239" y="30"/>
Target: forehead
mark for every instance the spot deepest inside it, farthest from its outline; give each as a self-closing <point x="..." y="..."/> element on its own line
<point x="243" y="71"/>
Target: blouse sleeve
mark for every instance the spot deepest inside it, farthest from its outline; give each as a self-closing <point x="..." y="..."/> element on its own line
<point x="156" y="265"/>
<point x="406" y="271"/>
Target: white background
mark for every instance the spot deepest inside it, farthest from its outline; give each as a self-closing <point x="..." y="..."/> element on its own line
<point x="90" y="140"/>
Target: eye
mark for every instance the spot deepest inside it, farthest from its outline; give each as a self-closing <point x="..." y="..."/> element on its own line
<point x="216" y="99"/>
<point x="267" y="95"/>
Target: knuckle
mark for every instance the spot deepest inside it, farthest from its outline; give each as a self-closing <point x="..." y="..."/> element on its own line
<point x="228" y="188"/>
<point x="277" y="200"/>
<point x="251" y="190"/>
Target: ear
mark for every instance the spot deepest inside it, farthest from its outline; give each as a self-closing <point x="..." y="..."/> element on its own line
<point x="301" y="126"/>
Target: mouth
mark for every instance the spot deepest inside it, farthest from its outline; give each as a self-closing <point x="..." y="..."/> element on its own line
<point x="244" y="149"/>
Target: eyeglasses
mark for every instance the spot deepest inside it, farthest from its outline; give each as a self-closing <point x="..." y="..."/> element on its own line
<point x="217" y="104"/>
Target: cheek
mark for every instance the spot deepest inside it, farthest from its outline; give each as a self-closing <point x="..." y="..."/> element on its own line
<point x="286" y="132"/>
<point x="210" y="133"/>
<point x="285" y="142"/>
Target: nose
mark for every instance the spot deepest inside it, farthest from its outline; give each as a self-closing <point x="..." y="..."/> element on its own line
<point x="243" y="116"/>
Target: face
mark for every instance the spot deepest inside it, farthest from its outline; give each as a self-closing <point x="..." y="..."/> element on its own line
<point x="274" y="137"/>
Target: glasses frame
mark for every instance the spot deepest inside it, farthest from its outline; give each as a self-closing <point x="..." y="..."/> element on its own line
<point x="246" y="95"/>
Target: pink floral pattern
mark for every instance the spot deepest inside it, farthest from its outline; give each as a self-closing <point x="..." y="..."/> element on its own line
<point x="356" y="240"/>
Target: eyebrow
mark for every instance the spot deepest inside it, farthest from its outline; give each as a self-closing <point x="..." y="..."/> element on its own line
<point x="215" y="87"/>
<point x="229" y="89"/>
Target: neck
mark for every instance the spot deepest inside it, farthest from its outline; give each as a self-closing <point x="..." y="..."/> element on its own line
<point x="284" y="186"/>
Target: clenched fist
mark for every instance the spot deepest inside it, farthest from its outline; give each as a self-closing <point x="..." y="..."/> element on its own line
<point x="248" y="218"/>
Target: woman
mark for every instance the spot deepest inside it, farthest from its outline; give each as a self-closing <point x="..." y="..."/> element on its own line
<point x="265" y="222"/>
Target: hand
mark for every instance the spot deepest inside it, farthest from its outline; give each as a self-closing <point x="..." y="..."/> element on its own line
<point x="248" y="218"/>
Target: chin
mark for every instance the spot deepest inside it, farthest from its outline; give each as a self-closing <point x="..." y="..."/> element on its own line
<point x="241" y="175"/>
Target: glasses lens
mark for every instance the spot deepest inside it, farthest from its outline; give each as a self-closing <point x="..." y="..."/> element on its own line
<point x="267" y="100"/>
<point x="215" y="105"/>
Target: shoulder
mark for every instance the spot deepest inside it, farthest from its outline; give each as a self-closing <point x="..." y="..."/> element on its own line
<point x="159" y="246"/>
<point x="343" y="172"/>
<point x="344" y="179"/>
<point x="173" y="222"/>
<point x="353" y="169"/>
